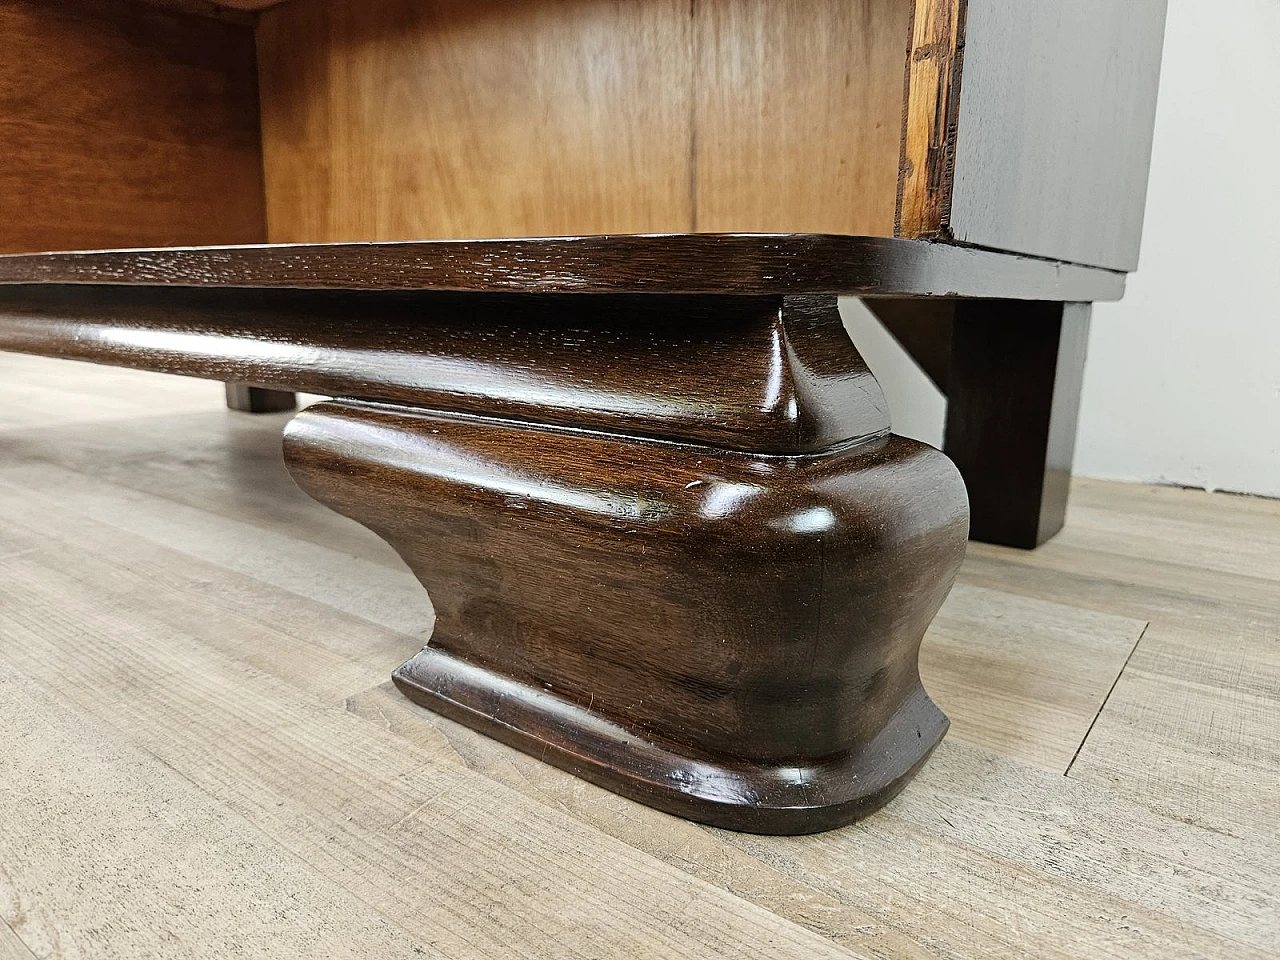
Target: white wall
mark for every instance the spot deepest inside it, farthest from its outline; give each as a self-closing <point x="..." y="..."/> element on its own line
<point x="1182" y="383"/>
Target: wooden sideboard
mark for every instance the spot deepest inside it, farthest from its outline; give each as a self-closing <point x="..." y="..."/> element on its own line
<point x="647" y="479"/>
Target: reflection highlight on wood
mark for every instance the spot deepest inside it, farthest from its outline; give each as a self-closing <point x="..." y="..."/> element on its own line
<point x="720" y="634"/>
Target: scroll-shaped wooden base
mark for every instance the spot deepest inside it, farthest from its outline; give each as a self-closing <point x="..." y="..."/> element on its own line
<point x="727" y="635"/>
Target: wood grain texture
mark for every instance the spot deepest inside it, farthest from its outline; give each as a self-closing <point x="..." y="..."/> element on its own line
<point x="126" y="125"/>
<point x="422" y="846"/>
<point x="749" y="659"/>
<point x="413" y="119"/>
<point x="747" y="264"/>
<point x="930" y="115"/>
<point x="177" y="531"/>
<point x="11" y="947"/>
<point x="399" y="119"/>
<point x="784" y="701"/>
<point x="1056" y="113"/>
<point x="797" y="109"/>
<point x="785" y="378"/>
<point x="214" y="882"/>
<point x="1034" y="684"/>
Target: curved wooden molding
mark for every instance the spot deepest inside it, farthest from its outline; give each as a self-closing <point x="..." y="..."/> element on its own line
<point x="727" y="636"/>
<point x="769" y="374"/>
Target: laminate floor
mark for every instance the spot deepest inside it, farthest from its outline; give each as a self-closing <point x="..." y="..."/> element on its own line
<point x="201" y="754"/>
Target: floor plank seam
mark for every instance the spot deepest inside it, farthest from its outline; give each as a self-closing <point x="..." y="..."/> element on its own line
<point x="1102" y="706"/>
<point x="10" y="940"/>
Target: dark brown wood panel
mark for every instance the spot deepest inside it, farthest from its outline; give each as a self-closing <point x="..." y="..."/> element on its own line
<point x="786" y="379"/>
<point x="748" y="264"/>
<point x="1012" y="402"/>
<point x="725" y="636"/>
<point x="250" y="399"/>
<point x="124" y="124"/>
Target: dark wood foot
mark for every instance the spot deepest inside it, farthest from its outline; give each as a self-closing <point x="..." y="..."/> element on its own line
<point x="247" y="399"/>
<point x="726" y="634"/>
<point x="1011" y="370"/>
<point x="1013" y="395"/>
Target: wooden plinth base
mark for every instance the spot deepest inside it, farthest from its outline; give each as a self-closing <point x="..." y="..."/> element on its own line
<point x="725" y="635"/>
<point x="648" y="481"/>
<point x="758" y="798"/>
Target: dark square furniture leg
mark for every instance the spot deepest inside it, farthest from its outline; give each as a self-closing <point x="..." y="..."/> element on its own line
<point x="247" y="399"/>
<point x="1013" y="395"/>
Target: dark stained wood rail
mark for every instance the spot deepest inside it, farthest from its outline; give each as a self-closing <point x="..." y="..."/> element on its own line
<point x="749" y="264"/>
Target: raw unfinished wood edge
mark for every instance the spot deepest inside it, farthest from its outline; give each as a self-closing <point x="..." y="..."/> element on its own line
<point x="931" y="108"/>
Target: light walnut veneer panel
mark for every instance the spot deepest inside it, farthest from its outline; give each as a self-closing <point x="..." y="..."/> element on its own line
<point x="401" y="119"/>
<point x="125" y="125"/>
<point x="421" y="119"/>
<point x="799" y="107"/>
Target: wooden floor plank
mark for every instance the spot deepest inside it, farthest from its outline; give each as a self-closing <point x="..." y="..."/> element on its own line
<point x="1021" y="676"/>
<point x="390" y="597"/>
<point x="316" y="648"/>
<point x="1192" y="728"/>
<point x="215" y="461"/>
<point x="11" y="945"/>
<point x="1188" y="527"/>
<point x="40" y="392"/>
<point x="975" y="841"/>
<point x="472" y="867"/>
<point x="107" y="852"/>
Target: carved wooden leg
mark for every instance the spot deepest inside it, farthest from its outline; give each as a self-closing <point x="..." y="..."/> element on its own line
<point x="247" y="399"/>
<point x="726" y="634"/>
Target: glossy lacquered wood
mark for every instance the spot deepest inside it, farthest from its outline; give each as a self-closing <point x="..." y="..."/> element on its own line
<point x="727" y="636"/>
<point x="1013" y="399"/>
<point x="753" y="373"/>
<point x="767" y="264"/>
<point x="670" y="541"/>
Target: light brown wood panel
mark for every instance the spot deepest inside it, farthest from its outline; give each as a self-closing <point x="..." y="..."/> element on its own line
<point x="799" y="107"/>
<point x="401" y="119"/>
<point x="415" y="119"/>
<point x="124" y="124"/>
